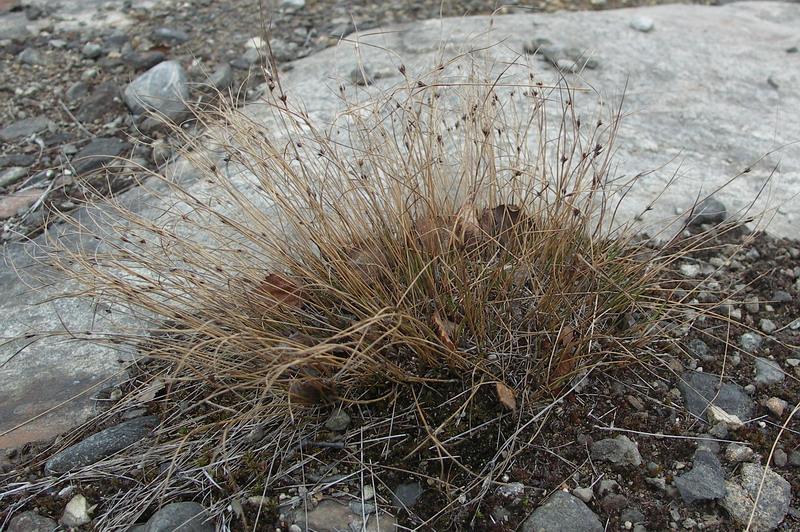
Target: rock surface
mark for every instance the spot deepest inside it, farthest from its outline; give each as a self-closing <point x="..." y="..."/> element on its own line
<point x="31" y="522"/>
<point x="774" y="497"/>
<point x="619" y="451"/>
<point x="162" y="90"/>
<point x="699" y="390"/>
<point x="706" y="480"/>
<point x="180" y="517"/>
<point x="98" y="446"/>
<point x="562" y="513"/>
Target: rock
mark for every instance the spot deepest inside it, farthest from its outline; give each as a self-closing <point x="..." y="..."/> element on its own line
<point x="9" y="176"/>
<point x="562" y="513"/>
<point x="76" y="512"/>
<point x="511" y="490"/>
<point x="768" y="372"/>
<point x="780" y="296"/>
<point x="779" y="458"/>
<point x="30" y="56"/>
<point x="331" y="516"/>
<point x="584" y="494"/>
<point x="221" y="78"/>
<point x="98" y="153"/>
<point x="699" y="349"/>
<point x="619" y="451"/>
<point x="642" y="23"/>
<point x="31" y="522"/>
<point x="406" y="495"/>
<point x="717" y="415"/>
<point x="614" y="502"/>
<point x="700" y="389"/>
<point x="736" y="453"/>
<point x="17" y="159"/>
<point x="293" y="5"/>
<point x="569" y="59"/>
<point x="104" y="100"/>
<point x="338" y="421"/>
<point x="689" y="270"/>
<point x="180" y="517"/>
<point x="162" y="90"/>
<point x="776" y="406"/>
<point x="76" y="91"/>
<point x="706" y="480"/>
<point x="170" y="37"/>
<point x="794" y="458"/>
<point x="12" y="204"/>
<point x="708" y="211"/>
<point x="607" y="486"/>
<point x="251" y="56"/>
<point x="773" y="497"/>
<point x="16" y="33"/>
<point x="750" y="341"/>
<point x="767" y="326"/>
<point x="144" y="60"/>
<point x="92" y="50"/>
<point x="633" y="517"/>
<point x="23" y="128"/>
<point x="100" y="445"/>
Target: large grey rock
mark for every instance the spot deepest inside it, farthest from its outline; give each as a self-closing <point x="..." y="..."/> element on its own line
<point x="774" y="497"/>
<point x="706" y="480"/>
<point x="162" y="90"/>
<point x="98" y="446"/>
<point x="562" y="513"/>
<point x="619" y="451"/>
<point x="406" y="495"/>
<point x="700" y="389"/>
<point x="180" y="517"/>
<point x="31" y="522"/>
<point x="98" y="153"/>
<point x="23" y="128"/>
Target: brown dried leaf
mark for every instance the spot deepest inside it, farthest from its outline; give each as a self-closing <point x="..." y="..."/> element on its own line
<point x="309" y="392"/>
<point x="568" y="362"/>
<point x="280" y="289"/>
<point x="431" y="234"/>
<point x="467" y="226"/>
<point x="446" y="329"/>
<point x="506" y="396"/>
<point x="502" y="222"/>
<point x="366" y="260"/>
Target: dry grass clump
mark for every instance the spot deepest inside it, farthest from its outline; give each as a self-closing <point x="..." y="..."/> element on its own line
<point x="415" y="263"/>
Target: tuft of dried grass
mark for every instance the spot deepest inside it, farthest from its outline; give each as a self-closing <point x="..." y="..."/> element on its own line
<point x="414" y="261"/>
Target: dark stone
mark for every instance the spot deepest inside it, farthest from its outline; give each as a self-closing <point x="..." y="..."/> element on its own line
<point x="708" y="211"/>
<point x="698" y="349"/>
<point x="116" y="43"/>
<point x="97" y="153"/>
<point x="706" y="480"/>
<point x="169" y="36"/>
<point x="104" y="100"/>
<point x="17" y="159"/>
<point x="143" y="60"/>
<point x="562" y="512"/>
<point x="58" y="138"/>
<point x="700" y="389"/>
<point x="406" y="495"/>
<point x="31" y="522"/>
<point x="162" y="90"/>
<point x="98" y="446"/>
<point x="180" y="517"/>
<point x="23" y="128"/>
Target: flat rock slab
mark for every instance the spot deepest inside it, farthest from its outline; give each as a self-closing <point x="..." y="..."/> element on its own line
<point x="562" y="512"/>
<point x="100" y="445"/>
<point x="773" y="496"/>
<point x="699" y="104"/>
<point x="706" y="480"/>
<point x="699" y="390"/>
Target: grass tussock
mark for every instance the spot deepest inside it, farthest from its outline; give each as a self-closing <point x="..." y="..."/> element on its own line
<point x="416" y="263"/>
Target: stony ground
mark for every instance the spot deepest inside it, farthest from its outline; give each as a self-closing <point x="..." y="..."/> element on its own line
<point x="624" y="447"/>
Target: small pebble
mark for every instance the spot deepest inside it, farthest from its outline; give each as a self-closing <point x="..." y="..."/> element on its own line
<point x="768" y="326"/>
<point x="776" y="406"/>
<point x="779" y="458"/>
<point x="642" y="23"/>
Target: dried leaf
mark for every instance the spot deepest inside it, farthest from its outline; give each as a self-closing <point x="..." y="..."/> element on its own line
<point x="280" y="289"/>
<point x="149" y="392"/>
<point x="364" y="258"/>
<point x="567" y="362"/>
<point x="506" y="396"/>
<point x="446" y="330"/>
<point x="467" y="226"/>
<point x="431" y="234"/>
<point x="309" y="392"/>
<point x="502" y="222"/>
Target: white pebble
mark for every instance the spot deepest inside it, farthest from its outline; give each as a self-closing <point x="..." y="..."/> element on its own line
<point x="642" y="23"/>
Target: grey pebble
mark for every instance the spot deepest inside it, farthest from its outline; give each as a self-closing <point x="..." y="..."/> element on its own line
<point x="338" y="421"/>
<point x="700" y="389"/>
<point x="407" y="495"/>
<point x="163" y="90"/>
<point x="768" y="372"/>
<point x="9" y="176"/>
<point x="619" y="451"/>
<point x="773" y="496"/>
<point x="30" y="56"/>
<point x="31" y="522"/>
<point x="750" y="341"/>
<point x="92" y="50"/>
<point x="562" y="513"/>
<point x="180" y="517"/>
<point x="642" y="23"/>
<point x="170" y="36"/>
<point x="708" y="211"/>
<point x="25" y="127"/>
